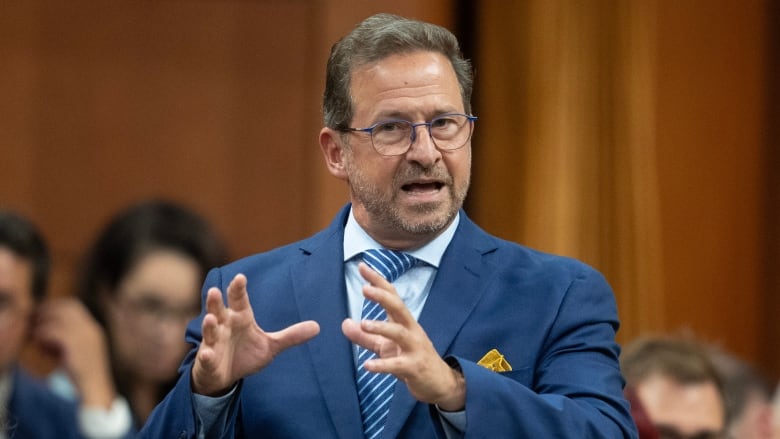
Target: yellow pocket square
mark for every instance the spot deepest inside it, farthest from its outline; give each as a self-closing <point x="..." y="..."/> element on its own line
<point x="495" y="361"/>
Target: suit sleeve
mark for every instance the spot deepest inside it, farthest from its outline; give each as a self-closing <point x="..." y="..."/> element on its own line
<point x="576" y="385"/>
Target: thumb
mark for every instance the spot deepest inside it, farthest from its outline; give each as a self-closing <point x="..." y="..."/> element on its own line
<point x="295" y="334"/>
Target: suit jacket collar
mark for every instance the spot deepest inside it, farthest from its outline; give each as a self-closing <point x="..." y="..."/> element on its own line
<point x="321" y="295"/>
<point x="458" y="287"/>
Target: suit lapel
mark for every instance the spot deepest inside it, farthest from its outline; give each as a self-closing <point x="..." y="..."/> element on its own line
<point x="454" y="294"/>
<point x="320" y="292"/>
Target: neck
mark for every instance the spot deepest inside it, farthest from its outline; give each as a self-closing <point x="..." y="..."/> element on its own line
<point x="143" y="397"/>
<point x="396" y="237"/>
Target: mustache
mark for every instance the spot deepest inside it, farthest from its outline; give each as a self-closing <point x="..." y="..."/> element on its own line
<point x="415" y="171"/>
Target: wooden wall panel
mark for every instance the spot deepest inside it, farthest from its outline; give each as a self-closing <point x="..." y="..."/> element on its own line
<point x="217" y="104"/>
<point x="770" y="349"/>
<point x="708" y="94"/>
<point x="710" y="132"/>
<point x="133" y="99"/>
<point x="214" y="104"/>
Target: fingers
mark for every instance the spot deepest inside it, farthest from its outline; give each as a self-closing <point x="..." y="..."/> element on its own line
<point x="295" y="334"/>
<point x="355" y="333"/>
<point x="56" y="312"/>
<point x="381" y="291"/>
<point x="63" y="324"/>
<point x="230" y="334"/>
<point x="372" y="276"/>
<point x="237" y="295"/>
<point x="214" y="304"/>
<point x="216" y="313"/>
<point x="237" y="298"/>
<point x="210" y="328"/>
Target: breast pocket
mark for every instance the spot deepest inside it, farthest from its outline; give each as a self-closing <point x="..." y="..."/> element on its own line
<point x="523" y="376"/>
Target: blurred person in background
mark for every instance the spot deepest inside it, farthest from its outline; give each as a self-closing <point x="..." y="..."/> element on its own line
<point x="748" y="397"/>
<point x="776" y="414"/>
<point x="644" y="426"/>
<point x="28" y="409"/>
<point x="121" y="340"/>
<point x="677" y="385"/>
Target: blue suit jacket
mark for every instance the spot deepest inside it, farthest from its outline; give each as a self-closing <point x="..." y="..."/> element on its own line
<point x="553" y="318"/>
<point x="35" y="412"/>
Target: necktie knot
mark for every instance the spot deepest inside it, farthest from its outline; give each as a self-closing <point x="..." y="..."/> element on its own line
<point x="389" y="263"/>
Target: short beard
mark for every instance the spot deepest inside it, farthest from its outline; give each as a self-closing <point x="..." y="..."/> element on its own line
<point x="386" y="212"/>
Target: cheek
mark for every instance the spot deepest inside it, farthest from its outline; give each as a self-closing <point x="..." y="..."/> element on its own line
<point x="125" y="343"/>
<point x="13" y="340"/>
<point x="173" y="335"/>
<point x="459" y="168"/>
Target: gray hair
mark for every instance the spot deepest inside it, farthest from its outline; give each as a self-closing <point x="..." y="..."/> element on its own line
<point x="377" y="38"/>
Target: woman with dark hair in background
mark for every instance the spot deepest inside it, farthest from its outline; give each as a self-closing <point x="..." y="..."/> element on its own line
<point x="120" y="345"/>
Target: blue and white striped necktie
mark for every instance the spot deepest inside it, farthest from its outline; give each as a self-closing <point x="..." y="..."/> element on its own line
<point x="375" y="390"/>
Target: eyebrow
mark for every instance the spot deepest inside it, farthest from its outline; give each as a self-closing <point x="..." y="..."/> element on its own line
<point x="395" y="114"/>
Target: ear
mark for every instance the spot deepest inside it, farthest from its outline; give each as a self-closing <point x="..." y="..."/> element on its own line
<point x="332" y="147"/>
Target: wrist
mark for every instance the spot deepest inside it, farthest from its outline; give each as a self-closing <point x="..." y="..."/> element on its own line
<point x="200" y="388"/>
<point x="455" y="399"/>
<point x="98" y="396"/>
<point x="97" y="390"/>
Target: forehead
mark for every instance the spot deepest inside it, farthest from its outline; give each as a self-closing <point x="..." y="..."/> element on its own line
<point x="15" y="274"/>
<point x="416" y="82"/>
<point x="689" y="407"/>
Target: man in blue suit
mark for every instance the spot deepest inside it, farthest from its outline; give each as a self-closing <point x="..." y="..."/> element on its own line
<point x="28" y="409"/>
<point x="482" y="338"/>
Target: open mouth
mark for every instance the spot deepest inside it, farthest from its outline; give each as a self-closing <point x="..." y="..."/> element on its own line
<point x="418" y="187"/>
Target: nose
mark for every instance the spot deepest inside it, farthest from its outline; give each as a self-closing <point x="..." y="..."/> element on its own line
<point x="422" y="149"/>
<point x="427" y="129"/>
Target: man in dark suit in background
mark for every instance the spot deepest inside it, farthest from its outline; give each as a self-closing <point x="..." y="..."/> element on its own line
<point x="398" y="128"/>
<point x="675" y="381"/>
<point x="28" y="409"/>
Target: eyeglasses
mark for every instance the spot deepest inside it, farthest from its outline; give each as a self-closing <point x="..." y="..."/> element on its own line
<point x="149" y="310"/>
<point x="11" y="310"/>
<point x="394" y="137"/>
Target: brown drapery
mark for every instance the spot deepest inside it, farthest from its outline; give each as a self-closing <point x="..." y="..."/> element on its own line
<point x="564" y="148"/>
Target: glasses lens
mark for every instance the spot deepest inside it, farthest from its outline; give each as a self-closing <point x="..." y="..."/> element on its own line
<point x="392" y="137"/>
<point x="450" y="131"/>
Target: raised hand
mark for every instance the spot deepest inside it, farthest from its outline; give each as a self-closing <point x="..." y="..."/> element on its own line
<point x="233" y="344"/>
<point x="404" y="348"/>
<point x="67" y="331"/>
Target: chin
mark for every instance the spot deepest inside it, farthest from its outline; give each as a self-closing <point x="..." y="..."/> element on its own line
<point x="425" y="220"/>
<point x="161" y="376"/>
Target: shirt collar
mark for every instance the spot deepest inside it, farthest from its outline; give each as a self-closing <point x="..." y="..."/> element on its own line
<point x="356" y="241"/>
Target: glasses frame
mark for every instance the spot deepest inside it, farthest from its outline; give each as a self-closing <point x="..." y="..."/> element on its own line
<point x="148" y="309"/>
<point x="12" y="311"/>
<point x="413" y="135"/>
